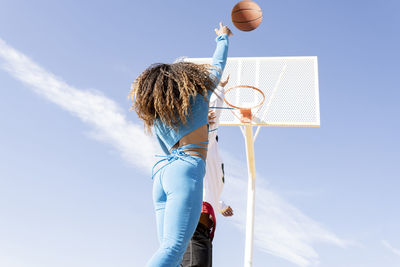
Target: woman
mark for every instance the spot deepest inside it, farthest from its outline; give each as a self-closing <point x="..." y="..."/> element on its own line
<point x="173" y="99"/>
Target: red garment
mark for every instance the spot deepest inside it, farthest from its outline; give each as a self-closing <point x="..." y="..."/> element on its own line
<point x="208" y="209"/>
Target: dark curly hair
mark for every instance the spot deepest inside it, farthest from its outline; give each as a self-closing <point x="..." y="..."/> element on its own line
<point x="164" y="90"/>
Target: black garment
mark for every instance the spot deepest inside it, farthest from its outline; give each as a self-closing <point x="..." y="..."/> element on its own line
<point x="199" y="251"/>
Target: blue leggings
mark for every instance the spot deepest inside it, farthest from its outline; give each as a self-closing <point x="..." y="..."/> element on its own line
<point x="178" y="197"/>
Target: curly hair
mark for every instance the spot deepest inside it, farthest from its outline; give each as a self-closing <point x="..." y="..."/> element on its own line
<point x="163" y="91"/>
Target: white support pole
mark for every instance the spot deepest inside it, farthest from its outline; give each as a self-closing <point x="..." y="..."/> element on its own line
<point x="248" y="253"/>
<point x="256" y="134"/>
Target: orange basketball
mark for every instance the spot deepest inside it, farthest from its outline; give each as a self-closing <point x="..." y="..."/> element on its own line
<point x="246" y="15"/>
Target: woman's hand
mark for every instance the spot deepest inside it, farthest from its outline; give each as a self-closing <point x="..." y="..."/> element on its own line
<point x="211" y="117"/>
<point x="227" y="212"/>
<point x="223" y="30"/>
<point x="223" y="83"/>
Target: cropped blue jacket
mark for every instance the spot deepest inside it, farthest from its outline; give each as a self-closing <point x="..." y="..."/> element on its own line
<point x="167" y="136"/>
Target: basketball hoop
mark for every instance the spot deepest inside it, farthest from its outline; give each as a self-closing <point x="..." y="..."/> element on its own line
<point x="246" y="114"/>
<point x="290" y="85"/>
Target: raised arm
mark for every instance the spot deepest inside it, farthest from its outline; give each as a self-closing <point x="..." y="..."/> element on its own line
<point x="221" y="52"/>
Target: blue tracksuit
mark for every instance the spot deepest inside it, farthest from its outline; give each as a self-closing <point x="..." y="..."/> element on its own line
<point x="178" y="184"/>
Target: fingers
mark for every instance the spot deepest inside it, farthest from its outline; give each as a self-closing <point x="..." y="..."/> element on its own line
<point x="223" y="83"/>
<point x="218" y="31"/>
<point x="227" y="212"/>
<point x="223" y="30"/>
<point x="211" y="117"/>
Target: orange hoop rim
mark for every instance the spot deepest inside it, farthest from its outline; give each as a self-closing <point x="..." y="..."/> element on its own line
<point x="245" y="86"/>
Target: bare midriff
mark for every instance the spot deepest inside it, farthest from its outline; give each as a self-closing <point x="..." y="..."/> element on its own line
<point x="197" y="136"/>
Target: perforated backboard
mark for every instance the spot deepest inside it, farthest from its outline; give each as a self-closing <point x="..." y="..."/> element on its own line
<point x="290" y="85"/>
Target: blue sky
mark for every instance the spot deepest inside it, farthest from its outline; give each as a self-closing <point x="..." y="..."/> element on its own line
<point x="75" y="187"/>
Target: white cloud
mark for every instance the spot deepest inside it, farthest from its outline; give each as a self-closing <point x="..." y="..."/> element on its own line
<point x="390" y="247"/>
<point x="281" y="229"/>
<point x="103" y="114"/>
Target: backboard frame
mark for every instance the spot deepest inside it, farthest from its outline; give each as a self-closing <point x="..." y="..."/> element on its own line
<point x="312" y="80"/>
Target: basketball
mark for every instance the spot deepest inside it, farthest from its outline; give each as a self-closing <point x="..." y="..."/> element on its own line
<point x="246" y="15"/>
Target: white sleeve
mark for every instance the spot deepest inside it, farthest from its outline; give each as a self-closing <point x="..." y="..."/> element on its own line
<point x="217" y="100"/>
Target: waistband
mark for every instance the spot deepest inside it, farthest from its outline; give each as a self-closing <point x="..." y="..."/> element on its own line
<point x="179" y="153"/>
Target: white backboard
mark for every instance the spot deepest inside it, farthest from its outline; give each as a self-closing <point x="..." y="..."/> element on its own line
<point x="290" y="85"/>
